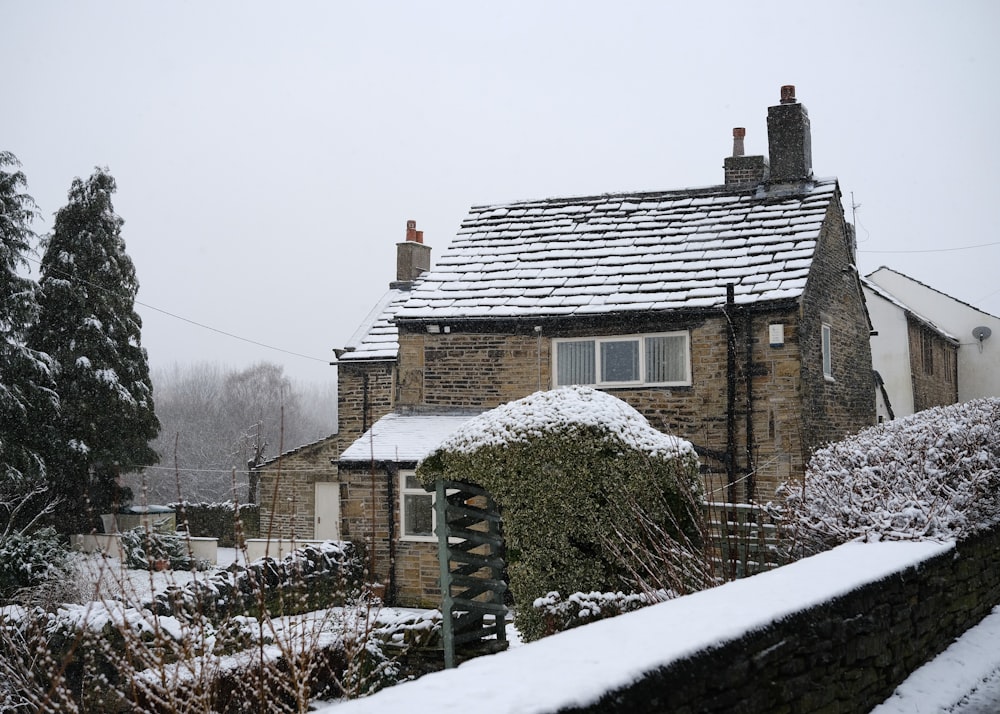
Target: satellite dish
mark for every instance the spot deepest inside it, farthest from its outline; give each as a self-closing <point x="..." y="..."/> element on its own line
<point x="981" y="333"/>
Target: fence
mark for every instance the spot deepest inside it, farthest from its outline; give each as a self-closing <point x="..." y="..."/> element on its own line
<point x="743" y="540"/>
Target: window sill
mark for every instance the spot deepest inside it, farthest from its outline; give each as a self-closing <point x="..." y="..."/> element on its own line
<point x="418" y="539"/>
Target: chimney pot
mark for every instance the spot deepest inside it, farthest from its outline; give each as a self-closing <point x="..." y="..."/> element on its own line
<point x="739" y="133"/>
<point x="411" y="230"/>
<point x="420" y="237"/>
<point x="788" y="94"/>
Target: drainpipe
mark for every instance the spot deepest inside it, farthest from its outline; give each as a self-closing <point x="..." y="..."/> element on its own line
<point x="748" y="376"/>
<point x="730" y="394"/>
<point x="391" y="476"/>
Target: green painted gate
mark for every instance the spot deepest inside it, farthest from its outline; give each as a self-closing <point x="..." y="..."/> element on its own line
<point x="470" y="555"/>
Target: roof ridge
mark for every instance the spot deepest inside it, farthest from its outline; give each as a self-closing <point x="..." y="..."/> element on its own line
<point x="735" y="189"/>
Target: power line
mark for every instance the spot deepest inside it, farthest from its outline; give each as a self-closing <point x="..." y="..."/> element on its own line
<point x="934" y="250"/>
<point x="202" y="325"/>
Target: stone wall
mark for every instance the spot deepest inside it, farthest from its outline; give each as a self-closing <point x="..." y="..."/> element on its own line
<point x="842" y="656"/>
<point x="844" y="404"/>
<point x="933" y="367"/>
<point x="288" y="489"/>
<point x="475" y="368"/>
<point x="409" y="569"/>
<point x="366" y="392"/>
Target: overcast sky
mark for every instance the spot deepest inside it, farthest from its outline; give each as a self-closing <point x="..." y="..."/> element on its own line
<point x="268" y="155"/>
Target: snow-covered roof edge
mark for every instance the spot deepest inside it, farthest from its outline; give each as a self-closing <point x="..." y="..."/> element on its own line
<point x="889" y="297"/>
<point x="933" y="289"/>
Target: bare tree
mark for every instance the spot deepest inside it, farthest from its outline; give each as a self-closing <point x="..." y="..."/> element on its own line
<point x="217" y="419"/>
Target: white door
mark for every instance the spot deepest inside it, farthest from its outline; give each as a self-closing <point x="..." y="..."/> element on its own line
<point x="327" y="523"/>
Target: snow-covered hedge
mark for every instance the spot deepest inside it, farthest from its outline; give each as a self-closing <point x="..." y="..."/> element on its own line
<point x="312" y="577"/>
<point x="579" y="476"/>
<point x="582" y="608"/>
<point x="30" y="560"/>
<point x="932" y="475"/>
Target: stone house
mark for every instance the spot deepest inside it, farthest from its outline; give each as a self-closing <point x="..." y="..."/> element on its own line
<point x="731" y="315"/>
<point x="930" y="349"/>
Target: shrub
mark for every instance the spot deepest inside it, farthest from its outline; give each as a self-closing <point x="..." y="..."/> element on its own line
<point x="145" y="550"/>
<point x="569" y="470"/>
<point x="31" y="560"/>
<point x="582" y="608"/>
<point x="932" y="475"/>
<point x="218" y="520"/>
<point x="313" y="576"/>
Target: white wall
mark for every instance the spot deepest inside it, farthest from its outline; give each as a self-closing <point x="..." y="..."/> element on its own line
<point x="891" y="352"/>
<point x="978" y="364"/>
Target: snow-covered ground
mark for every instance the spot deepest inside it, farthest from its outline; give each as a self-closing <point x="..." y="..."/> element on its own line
<point x="579" y="665"/>
<point x="964" y="679"/>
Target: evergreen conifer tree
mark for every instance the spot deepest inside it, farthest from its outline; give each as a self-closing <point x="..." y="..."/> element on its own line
<point x="89" y="326"/>
<point x="28" y="402"/>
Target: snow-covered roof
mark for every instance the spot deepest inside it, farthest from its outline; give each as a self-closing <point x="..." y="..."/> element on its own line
<point x="403" y="437"/>
<point x="626" y="252"/>
<point x="377" y="337"/>
<point x="893" y="300"/>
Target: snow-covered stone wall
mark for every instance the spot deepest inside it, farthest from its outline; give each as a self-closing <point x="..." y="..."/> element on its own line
<point x="833" y="633"/>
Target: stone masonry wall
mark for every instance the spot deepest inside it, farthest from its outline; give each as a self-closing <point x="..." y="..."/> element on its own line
<point x="843" y="656"/>
<point x="288" y="490"/>
<point x="408" y="568"/>
<point x="484" y="370"/>
<point x="463" y="369"/>
<point x="934" y="384"/>
<point x="837" y="407"/>
<point x="381" y="396"/>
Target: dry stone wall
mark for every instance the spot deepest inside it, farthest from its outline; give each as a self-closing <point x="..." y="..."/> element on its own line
<point x="843" y="656"/>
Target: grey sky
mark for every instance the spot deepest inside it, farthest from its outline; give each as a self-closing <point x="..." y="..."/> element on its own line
<point x="268" y="155"/>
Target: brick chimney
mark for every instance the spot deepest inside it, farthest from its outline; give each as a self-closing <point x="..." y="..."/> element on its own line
<point x="742" y="169"/>
<point x="789" y="139"/>
<point x="412" y="256"/>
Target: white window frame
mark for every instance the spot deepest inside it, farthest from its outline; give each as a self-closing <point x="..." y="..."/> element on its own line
<point x="826" y="339"/>
<point x="640" y="338"/>
<point x="405" y="491"/>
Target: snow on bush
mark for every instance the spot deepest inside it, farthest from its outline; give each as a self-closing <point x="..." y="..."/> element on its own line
<point x="147" y="550"/>
<point x="587" y="490"/>
<point x="581" y="608"/>
<point x="314" y="576"/>
<point x="30" y="560"/>
<point x="932" y="475"/>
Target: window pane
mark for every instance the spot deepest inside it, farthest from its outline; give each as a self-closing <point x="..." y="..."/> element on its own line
<point x="666" y="359"/>
<point x="417" y="519"/>
<point x="575" y="363"/>
<point x="827" y="358"/>
<point x="620" y="361"/>
<point x="411" y="482"/>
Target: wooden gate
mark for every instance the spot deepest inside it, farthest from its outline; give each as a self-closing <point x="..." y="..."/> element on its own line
<point x="470" y="555"/>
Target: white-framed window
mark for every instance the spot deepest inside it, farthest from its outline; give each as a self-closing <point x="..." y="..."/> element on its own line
<point x="661" y="359"/>
<point x="827" y="351"/>
<point x="416" y="509"/>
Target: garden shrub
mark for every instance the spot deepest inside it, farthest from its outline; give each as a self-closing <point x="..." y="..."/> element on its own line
<point x="570" y="469"/>
<point x="314" y="576"/>
<point x="582" y="608"/>
<point x="31" y="560"/>
<point x="145" y="550"/>
<point x="932" y="475"/>
<point x="218" y="520"/>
